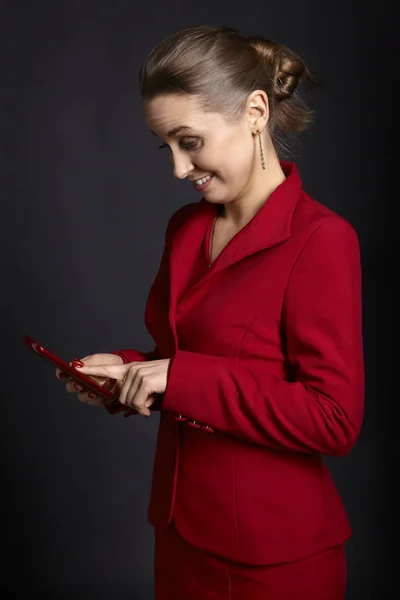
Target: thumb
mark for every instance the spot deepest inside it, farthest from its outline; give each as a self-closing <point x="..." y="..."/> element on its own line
<point x="108" y="371"/>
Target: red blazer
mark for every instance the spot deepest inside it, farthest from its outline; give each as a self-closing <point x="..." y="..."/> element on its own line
<point x="267" y="369"/>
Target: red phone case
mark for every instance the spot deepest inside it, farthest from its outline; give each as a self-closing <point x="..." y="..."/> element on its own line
<point x="85" y="380"/>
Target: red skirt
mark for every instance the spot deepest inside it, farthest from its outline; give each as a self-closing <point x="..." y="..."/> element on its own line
<point x="183" y="572"/>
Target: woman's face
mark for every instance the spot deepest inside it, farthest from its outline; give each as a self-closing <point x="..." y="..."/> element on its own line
<point x="206" y="144"/>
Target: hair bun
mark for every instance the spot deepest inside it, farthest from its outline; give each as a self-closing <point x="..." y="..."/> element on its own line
<point x="286" y="67"/>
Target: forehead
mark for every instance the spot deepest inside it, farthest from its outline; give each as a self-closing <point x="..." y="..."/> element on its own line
<point x="166" y="113"/>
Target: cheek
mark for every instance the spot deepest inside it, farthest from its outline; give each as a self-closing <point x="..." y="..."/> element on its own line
<point x="237" y="163"/>
<point x="229" y="159"/>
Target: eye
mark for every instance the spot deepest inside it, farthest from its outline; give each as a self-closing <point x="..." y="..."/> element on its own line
<point x="193" y="145"/>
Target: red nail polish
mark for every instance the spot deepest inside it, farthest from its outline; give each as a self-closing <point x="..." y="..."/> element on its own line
<point x="63" y="376"/>
<point x="77" y="361"/>
<point x="77" y="364"/>
<point x="91" y="395"/>
<point x="78" y="387"/>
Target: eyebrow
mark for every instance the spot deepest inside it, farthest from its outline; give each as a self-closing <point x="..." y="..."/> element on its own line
<point x="176" y="130"/>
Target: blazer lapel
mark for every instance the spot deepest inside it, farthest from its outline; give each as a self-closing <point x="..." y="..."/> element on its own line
<point x="186" y="245"/>
<point x="270" y="226"/>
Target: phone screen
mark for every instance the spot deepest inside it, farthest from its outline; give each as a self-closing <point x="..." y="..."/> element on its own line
<point x="56" y="361"/>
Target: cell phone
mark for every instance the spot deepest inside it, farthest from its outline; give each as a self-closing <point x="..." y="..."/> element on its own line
<point x="85" y="380"/>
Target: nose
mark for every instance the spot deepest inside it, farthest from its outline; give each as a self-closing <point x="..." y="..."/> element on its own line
<point x="182" y="165"/>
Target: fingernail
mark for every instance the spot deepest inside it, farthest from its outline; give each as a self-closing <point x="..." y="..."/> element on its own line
<point x="91" y="395"/>
<point x="76" y="362"/>
<point x="77" y="387"/>
<point x="63" y="376"/>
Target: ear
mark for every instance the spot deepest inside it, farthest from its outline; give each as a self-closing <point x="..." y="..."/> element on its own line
<point x="257" y="110"/>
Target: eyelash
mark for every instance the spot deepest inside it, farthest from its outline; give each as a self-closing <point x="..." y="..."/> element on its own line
<point x="187" y="146"/>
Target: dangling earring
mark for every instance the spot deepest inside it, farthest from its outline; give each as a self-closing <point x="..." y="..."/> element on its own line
<point x="261" y="150"/>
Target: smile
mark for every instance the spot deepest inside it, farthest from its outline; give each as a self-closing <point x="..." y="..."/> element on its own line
<point x="202" y="180"/>
<point x="201" y="184"/>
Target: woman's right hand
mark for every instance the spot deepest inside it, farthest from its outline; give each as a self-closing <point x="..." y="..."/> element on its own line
<point x="88" y="397"/>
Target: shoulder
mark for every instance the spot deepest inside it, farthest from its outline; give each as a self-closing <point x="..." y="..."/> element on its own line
<point x="327" y="252"/>
<point x="182" y="214"/>
<point x="318" y="222"/>
<point x="179" y="217"/>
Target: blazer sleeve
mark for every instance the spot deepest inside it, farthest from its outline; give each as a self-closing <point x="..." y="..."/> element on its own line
<point x="320" y="409"/>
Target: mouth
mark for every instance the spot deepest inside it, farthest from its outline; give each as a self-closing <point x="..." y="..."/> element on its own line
<point x="202" y="183"/>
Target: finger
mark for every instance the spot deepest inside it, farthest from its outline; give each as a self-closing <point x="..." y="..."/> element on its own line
<point x="73" y="386"/>
<point x="108" y="371"/>
<point x="131" y="395"/>
<point x="131" y="381"/>
<point x="90" y="398"/>
<point x="139" y="398"/>
<point x="61" y="375"/>
<point x="83" y="397"/>
<point x="150" y="400"/>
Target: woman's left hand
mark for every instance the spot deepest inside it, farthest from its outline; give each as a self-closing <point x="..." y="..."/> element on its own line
<point x="139" y="381"/>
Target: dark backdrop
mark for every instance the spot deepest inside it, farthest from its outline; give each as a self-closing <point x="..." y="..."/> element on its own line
<point x="85" y="201"/>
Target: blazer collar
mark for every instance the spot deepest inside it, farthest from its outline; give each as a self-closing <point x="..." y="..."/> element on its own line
<point x="269" y="226"/>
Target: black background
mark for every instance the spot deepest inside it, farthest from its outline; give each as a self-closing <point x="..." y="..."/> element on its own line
<point x="84" y="205"/>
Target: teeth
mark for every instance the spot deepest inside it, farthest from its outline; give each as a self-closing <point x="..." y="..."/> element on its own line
<point x="201" y="181"/>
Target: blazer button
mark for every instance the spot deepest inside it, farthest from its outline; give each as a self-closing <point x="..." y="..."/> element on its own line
<point x="180" y="418"/>
<point x="194" y="424"/>
<point x="208" y="429"/>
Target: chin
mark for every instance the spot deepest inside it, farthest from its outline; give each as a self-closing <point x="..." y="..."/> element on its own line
<point x="214" y="198"/>
<point x="215" y="202"/>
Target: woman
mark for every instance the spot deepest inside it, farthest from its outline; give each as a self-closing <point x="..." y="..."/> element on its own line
<point x="256" y="316"/>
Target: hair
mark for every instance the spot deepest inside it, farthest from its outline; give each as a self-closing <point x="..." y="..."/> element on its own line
<point x="222" y="67"/>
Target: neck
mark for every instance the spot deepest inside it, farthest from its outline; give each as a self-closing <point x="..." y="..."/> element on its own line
<point x="240" y="211"/>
